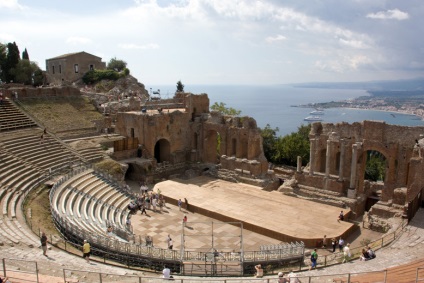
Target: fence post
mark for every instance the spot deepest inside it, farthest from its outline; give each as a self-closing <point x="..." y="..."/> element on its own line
<point x="416" y="276"/>
<point x="139" y="279"/>
<point x="100" y="277"/>
<point x="309" y="280"/>
<point x="4" y="267"/>
<point x="385" y="275"/>
<point x="36" y="271"/>
<point x="382" y="242"/>
<point x="325" y="260"/>
<point x="64" y="276"/>
<point x="348" y="278"/>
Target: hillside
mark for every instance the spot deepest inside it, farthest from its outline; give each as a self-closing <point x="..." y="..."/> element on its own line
<point x="65" y="116"/>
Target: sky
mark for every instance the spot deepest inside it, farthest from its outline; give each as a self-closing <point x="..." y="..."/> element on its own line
<point x="228" y="41"/>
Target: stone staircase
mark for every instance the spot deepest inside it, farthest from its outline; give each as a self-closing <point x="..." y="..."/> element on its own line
<point x="319" y="195"/>
<point x="12" y="118"/>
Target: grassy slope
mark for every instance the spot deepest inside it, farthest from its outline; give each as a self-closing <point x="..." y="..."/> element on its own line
<point x="63" y="114"/>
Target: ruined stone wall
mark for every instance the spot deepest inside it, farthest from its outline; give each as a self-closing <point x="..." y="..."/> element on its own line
<point x="149" y="129"/>
<point x="339" y="154"/>
<point x="45" y="92"/>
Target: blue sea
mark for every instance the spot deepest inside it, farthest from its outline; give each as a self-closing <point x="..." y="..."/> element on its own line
<point x="272" y="104"/>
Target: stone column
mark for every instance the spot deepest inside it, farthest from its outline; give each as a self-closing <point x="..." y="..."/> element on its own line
<point x="327" y="159"/>
<point x="351" y="192"/>
<point x="312" y="156"/>
<point x="299" y="164"/>
<point x="342" y="157"/>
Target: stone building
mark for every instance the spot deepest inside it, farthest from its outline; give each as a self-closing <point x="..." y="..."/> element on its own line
<point x="338" y="156"/>
<point x="177" y="132"/>
<point x="71" y="67"/>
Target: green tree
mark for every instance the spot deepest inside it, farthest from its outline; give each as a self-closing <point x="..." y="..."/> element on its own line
<point x="25" y="55"/>
<point x="116" y="65"/>
<point x="224" y="110"/>
<point x="27" y="72"/>
<point x="269" y="137"/>
<point x="3" y="56"/>
<point x="12" y="59"/>
<point x="180" y="86"/>
<point x="375" y="168"/>
<point x="285" y="150"/>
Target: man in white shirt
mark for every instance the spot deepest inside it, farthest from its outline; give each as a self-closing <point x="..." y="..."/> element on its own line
<point x="166" y="273"/>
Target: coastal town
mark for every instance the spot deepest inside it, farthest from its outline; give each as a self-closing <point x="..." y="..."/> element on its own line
<point x="406" y="102"/>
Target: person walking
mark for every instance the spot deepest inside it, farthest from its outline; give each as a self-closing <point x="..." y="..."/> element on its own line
<point x="314" y="257"/>
<point x="43" y="241"/>
<point x="346" y="253"/>
<point x="179" y="204"/>
<point x="334" y="244"/>
<point x="341" y="244"/>
<point x="86" y="249"/>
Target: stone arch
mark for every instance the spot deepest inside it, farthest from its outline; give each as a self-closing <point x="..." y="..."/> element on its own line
<point x="322" y="159"/>
<point x="336" y="164"/>
<point x="162" y="150"/>
<point x="212" y="147"/>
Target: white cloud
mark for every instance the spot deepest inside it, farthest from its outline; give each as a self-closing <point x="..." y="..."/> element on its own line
<point x="357" y="44"/>
<point x="5" y="37"/>
<point x="135" y="46"/>
<point x="11" y="4"/>
<point x="75" y="40"/>
<point x="272" y="39"/>
<point x="395" y="14"/>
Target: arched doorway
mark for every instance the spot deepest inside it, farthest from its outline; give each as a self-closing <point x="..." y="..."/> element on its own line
<point x="212" y="147"/>
<point x="162" y="150"/>
<point x="374" y="176"/>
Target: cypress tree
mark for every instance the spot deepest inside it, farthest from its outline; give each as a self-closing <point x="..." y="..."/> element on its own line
<point x="12" y="59"/>
<point x="25" y="55"/>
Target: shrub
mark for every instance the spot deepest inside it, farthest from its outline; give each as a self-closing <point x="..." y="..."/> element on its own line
<point x="94" y="76"/>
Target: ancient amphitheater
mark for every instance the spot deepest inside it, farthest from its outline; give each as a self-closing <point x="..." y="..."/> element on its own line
<point x="234" y="203"/>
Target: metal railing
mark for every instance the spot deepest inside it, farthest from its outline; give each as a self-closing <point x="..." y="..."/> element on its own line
<point x="29" y="271"/>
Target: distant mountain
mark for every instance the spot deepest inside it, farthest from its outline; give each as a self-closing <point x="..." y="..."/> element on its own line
<point x="397" y="85"/>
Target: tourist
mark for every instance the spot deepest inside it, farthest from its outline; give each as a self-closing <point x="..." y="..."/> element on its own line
<point x="281" y="278"/>
<point x="1" y="102"/>
<point x="170" y="243"/>
<point x="334" y="244"/>
<point x="143" y="208"/>
<point x="293" y="277"/>
<point x="128" y="222"/>
<point x="314" y="257"/>
<point x="154" y="203"/>
<point x="370" y="252"/>
<point x="341" y="244"/>
<point x="259" y="271"/>
<point x="43" y="241"/>
<point x="149" y="241"/>
<point x="109" y="231"/>
<point x="86" y="249"/>
<point x="346" y="253"/>
<point x="341" y="216"/>
<point x="147" y="201"/>
<point x="166" y="273"/>
<point x="364" y="256"/>
<point x="179" y="204"/>
<point x="324" y="242"/>
<point x="185" y="219"/>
